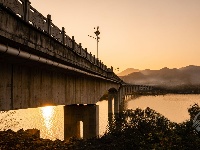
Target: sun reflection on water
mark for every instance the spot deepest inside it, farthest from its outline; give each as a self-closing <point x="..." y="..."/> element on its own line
<point x="51" y="122"/>
<point x="48" y="113"/>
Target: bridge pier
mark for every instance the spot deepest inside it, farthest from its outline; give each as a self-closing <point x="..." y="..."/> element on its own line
<point x="113" y="94"/>
<point x="88" y="114"/>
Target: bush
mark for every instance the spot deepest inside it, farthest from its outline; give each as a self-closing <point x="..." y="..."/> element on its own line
<point x="147" y="129"/>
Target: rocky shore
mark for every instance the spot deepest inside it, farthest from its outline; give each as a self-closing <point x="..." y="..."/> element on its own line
<point x="21" y="140"/>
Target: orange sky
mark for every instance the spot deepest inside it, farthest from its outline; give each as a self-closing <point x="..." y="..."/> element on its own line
<point x="142" y="34"/>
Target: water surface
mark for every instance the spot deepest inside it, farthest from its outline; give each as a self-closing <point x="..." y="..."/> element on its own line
<point x="50" y="120"/>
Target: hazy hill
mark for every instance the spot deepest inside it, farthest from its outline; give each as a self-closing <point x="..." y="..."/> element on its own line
<point x="189" y="75"/>
<point x="127" y="71"/>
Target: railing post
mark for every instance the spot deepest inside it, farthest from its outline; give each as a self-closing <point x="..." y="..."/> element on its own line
<point x="94" y="59"/>
<point x="80" y="47"/>
<point x="90" y="57"/>
<point x="86" y="53"/>
<point x="100" y="63"/>
<point x="73" y="43"/>
<point x="49" y="24"/>
<point x="97" y="61"/>
<point x="63" y="35"/>
<point x="26" y="10"/>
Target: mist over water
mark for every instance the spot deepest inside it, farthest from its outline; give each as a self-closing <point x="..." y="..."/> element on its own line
<point x="165" y="77"/>
<point x="50" y="120"/>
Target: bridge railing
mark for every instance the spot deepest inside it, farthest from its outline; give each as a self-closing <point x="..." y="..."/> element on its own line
<point x="126" y="91"/>
<point x="25" y="11"/>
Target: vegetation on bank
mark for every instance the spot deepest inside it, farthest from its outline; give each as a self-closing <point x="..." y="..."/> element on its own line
<point x="162" y="90"/>
<point x="181" y="89"/>
<point x="132" y="129"/>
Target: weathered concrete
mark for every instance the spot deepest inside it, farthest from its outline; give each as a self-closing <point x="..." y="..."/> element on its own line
<point x="73" y="114"/>
<point x="22" y="86"/>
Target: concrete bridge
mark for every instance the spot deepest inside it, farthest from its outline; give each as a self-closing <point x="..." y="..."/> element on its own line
<point x="41" y="65"/>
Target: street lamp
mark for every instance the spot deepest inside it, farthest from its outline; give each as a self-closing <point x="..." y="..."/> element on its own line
<point x="97" y="37"/>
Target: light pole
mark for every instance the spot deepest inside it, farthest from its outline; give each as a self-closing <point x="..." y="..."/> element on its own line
<point x="97" y="38"/>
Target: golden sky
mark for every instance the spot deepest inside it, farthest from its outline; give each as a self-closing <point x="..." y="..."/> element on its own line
<point x="141" y="34"/>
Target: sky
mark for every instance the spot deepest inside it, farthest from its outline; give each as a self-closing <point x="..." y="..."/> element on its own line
<point x="140" y="34"/>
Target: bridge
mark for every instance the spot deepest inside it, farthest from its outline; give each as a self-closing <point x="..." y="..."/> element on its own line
<point x="41" y="65"/>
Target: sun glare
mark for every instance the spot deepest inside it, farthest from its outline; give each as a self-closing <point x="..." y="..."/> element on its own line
<point x="47" y="113"/>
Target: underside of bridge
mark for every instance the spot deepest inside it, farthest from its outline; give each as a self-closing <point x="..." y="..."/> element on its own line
<point x="37" y="70"/>
<point x="27" y="85"/>
<point x="41" y="66"/>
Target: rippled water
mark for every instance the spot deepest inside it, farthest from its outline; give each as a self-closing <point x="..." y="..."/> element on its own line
<point x="50" y="120"/>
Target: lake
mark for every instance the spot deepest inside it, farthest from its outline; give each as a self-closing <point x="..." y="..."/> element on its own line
<point x="50" y="120"/>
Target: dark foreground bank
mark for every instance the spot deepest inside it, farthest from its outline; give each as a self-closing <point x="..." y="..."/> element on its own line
<point x="132" y="129"/>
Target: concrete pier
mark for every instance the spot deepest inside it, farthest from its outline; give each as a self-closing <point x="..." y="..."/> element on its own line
<point x="88" y="114"/>
<point x="112" y="94"/>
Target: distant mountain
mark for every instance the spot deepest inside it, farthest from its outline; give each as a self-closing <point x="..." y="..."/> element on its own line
<point x="189" y="75"/>
<point x="127" y="71"/>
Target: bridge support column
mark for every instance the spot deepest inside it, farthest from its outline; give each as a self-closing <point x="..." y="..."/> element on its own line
<point x="88" y="114"/>
<point x="121" y="105"/>
<point x="113" y="94"/>
<point x="122" y="97"/>
<point x="110" y="111"/>
<point x="116" y="104"/>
